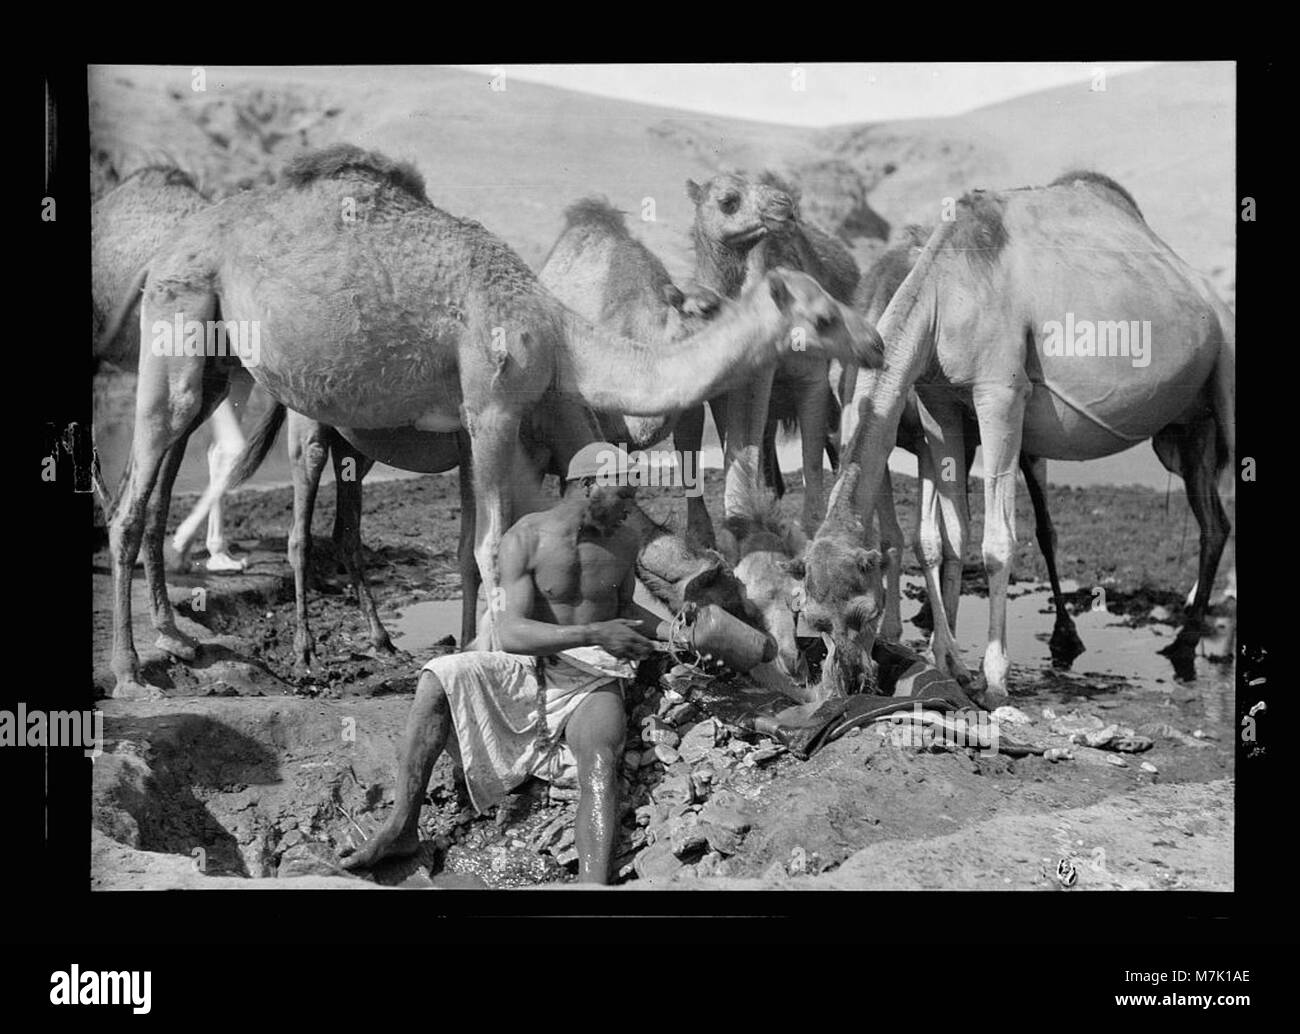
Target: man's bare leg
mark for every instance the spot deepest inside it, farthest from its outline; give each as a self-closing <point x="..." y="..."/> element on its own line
<point x="427" y="730"/>
<point x="595" y="735"/>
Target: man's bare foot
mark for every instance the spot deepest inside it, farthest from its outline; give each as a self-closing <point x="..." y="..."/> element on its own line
<point x="383" y="845"/>
<point x="222" y="562"/>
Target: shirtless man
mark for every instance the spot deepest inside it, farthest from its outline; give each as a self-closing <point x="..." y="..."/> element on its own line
<point x="569" y="627"/>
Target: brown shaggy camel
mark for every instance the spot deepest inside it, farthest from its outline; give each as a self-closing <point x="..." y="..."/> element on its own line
<point x="352" y="299"/>
<point x="733" y="215"/>
<point x="1071" y="331"/>
<point x="875" y="291"/>
<point x="603" y="273"/>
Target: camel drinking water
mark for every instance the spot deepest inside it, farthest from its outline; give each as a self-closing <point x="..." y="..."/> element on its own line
<point x="378" y="310"/>
<point x="975" y="328"/>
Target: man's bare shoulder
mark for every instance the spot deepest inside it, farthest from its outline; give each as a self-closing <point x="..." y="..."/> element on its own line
<point x="523" y="534"/>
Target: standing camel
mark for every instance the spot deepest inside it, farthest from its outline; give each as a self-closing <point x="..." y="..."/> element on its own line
<point x="734" y="218"/>
<point x="1072" y="331"/>
<point x="126" y="227"/>
<point x="358" y="303"/>
<point x="875" y="290"/>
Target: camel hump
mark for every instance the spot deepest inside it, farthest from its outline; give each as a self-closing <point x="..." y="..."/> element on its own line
<point x="163" y="174"/>
<point x="595" y="211"/>
<point x="1102" y="183"/>
<point x="340" y="160"/>
<point x="980" y="231"/>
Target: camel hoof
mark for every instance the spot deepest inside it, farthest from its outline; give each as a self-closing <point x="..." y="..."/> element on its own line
<point x="1065" y="645"/>
<point x="178" y="645"/>
<point x="175" y="561"/>
<point x="130" y="689"/>
<point x="987" y="696"/>
<point x="224" y="563"/>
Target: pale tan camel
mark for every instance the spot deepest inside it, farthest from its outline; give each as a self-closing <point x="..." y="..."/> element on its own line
<point x="1072" y="331"/>
<point x="361" y="305"/>
<point x="126" y="227"/>
<point x="875" y="291"/>
<point x="733" y="214"/>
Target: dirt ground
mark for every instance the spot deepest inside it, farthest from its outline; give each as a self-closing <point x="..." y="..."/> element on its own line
<point x="248" y="771"/>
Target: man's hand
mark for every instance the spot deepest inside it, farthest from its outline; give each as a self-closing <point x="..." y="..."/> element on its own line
<point x="621" y="638"/>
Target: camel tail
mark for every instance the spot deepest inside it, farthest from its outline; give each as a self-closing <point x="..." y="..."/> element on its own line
<point x="1225" y="392"/>
<point x="131" y="296"/>
<point x="259" y="444"/>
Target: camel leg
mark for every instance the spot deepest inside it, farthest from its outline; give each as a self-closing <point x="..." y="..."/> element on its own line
<point x="469" y="577"/>
<point x="1001" y="414"/>
<point x="350" y="469"/>
<point x="494" y="441"/>
<point x="891" y="546"/>
<point x="1196" y="451"/>
<point x="746" y="418"/>
<point x="308" y="443"/>
<point x="945" y="455"/>
<point x="931" y="550"/>
<point x="1065" y="643"/>
<point x="171" y="639"/>
<point x="688" y="435"/>
<point x="770" y="461"/>
<point x="169" y="397"/>
<point x="813" y="411"/>
<point x="227" y="445"/>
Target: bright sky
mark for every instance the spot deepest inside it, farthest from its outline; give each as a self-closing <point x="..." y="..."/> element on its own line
<point x="832" y="93"/>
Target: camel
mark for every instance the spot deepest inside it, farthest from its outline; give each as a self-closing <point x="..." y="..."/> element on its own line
<point x="763" y="547"/>
<point x="355" y="301"/>
<point x="986" y="321"/>
<point x="127" y="226"/>
<point x="875" y="290"/>
<point x="742" y="227"/>
<point x="603" y="273"/>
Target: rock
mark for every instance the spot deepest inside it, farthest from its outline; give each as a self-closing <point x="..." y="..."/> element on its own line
<point x="1118" y="762"/>
<point x="1098" y="738"/>
<point x="686" y="834"/>
<point x="1049" y="714"/>
<point x="702" y="783"/>
<point x="310" y="859"/>
<point x="681" y="714"/>
<point x="651" y="813"/>
<point x="656" y="731"/>
<point x="698" y="741"/>
<point x="1146" y="766"/>
<point x="1159" y="613"/>
<point x="1131" y="744"/>
<point x="1070" y="724"/>
<point x="632" y="760"/>
<point x="1058" y="754"/>
<point x="766" y="752"/>
<point x="657" y="862"/>
<point x="665" y="753"/>
<point x="775" y="873"/>
<point x="1011" y="715"/>
<point x="723" y="841"/>
<point x="672" y="792"/>
<point x="728" y="811"/>
<point x="708" y="865"/>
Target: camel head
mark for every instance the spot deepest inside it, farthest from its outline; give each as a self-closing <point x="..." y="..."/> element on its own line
<point x="765" y="546"/>
<point x="733" y="213"/>
<point x="843" y="591"/>
<point x="819" y="325"/>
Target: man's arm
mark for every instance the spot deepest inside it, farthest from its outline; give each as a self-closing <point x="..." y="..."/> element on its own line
<point x="649" y="624"/>
<point x="519" y="633"/>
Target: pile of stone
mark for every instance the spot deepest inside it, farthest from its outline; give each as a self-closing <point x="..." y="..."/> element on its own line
<point x="682" y="790"/>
